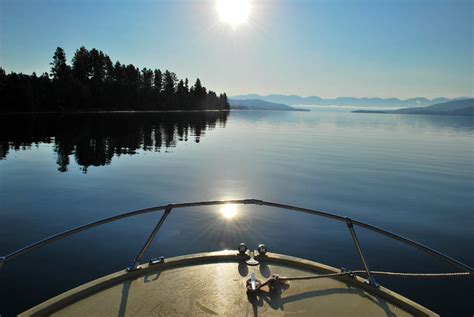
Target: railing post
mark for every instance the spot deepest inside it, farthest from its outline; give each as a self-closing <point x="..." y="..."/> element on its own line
<point x="370" y="279"/>
<point x="151" y="237"/>
<point x="2" y="262"/>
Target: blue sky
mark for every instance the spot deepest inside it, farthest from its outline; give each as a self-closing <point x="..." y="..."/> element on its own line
<point x="330" y="48"/>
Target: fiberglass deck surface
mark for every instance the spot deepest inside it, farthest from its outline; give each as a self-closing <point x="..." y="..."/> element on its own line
<point x="219" y="289"/>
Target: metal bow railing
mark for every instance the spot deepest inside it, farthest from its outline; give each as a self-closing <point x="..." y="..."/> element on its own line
<point x="168" y="208"/>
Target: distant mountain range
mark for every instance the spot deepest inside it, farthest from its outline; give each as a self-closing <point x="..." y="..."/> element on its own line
<point x="346" y="101"/>
<point x="464" y="107"/>
<point x="257" y="104"/>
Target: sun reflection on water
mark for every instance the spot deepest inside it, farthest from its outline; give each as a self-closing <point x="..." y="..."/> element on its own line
<point x="229" y="211"/>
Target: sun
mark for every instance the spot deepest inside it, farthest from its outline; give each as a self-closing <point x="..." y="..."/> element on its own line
<point x="234" y="12"/>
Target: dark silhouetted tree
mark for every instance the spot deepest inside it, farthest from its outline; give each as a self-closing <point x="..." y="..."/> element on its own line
<point x="158" y="80"/>
<point x="147" y="79"/>
<point x="198" y="95"/>
<point x="81" y="64"/>
<point x="59" y="68"/>
<point x="93" y="82"/>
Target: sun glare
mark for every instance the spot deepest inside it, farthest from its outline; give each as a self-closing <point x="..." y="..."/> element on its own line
<point x="229" y="211"/>
<point x="233" y="12"/>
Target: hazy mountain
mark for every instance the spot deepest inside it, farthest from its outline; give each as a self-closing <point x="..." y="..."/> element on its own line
<point x="257" y="104"/>
<point x="464" y="107"/>
<point x="346" y="101"/>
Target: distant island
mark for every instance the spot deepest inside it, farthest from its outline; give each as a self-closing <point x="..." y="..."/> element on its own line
<point x="464" y="107"/>
<point x="94" y="83"/>
<point x="256" y="104"/>
<point x="293" y="100"/>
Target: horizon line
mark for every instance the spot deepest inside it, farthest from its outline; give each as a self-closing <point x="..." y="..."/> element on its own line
<point x="365" y="97"/>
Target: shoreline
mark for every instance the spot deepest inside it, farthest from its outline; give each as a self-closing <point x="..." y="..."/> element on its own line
<point x="138" y="111"/>
<point x="109" y="111"/>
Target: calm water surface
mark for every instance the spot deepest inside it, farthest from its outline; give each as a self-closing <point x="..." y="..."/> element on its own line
<point x="409" y="174"/>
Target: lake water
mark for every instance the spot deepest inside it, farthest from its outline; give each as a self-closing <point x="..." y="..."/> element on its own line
<point x="412" y="175"/>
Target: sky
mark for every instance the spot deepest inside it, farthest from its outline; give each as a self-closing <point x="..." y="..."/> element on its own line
<point x="328" y="48"/>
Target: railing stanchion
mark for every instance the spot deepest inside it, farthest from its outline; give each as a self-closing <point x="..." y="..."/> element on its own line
<point x="150" y="239"/>
<point x="2" y="262"/>
<point x="370" y="279"/>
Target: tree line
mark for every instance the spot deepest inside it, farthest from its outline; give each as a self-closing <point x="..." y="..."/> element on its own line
<point x="94" y="83"/>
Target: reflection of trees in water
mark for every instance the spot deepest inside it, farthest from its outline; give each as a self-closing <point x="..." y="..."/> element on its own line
<point x="94" y="139"/>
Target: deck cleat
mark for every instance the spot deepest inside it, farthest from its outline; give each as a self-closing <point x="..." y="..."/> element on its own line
<point x="252" y="261"/>
<point x="158" y="260"/>
<point x="351" y="274"/>
<point x="252" y="284"/>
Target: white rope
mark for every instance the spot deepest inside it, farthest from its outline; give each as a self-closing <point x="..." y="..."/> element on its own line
<point x="420" y="275"/>
<point x="276" y="278"/>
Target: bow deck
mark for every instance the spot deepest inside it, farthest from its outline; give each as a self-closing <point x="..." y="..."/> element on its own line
<point x="215" y="284"/>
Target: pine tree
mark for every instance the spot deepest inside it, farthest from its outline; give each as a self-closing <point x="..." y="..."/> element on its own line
<point x="198" y="95"/>
<point x="169" y="82"/>
<point x="97" y="66"/>
<point x="59" y="67"/>
<point x="147" y="78"/>
<point x="81" y="64"/>
<point x="158" y="80"/>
